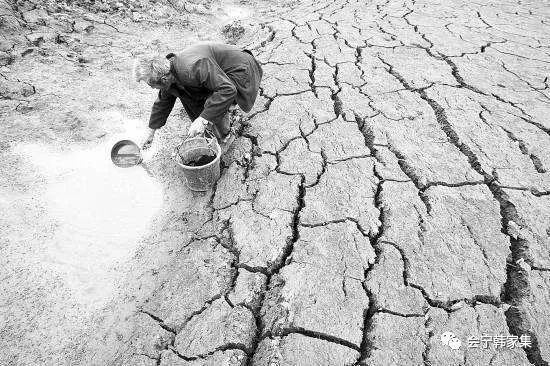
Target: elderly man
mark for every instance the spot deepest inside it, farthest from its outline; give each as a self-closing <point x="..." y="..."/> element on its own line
<point x="208" y="79"/>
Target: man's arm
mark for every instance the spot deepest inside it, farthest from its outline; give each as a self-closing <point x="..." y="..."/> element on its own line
<point x="161" y="109"/>
<point x="211" y="76"/>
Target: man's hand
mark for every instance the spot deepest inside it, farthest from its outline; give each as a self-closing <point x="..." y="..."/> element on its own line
<point x="197" y="127"/>
<point x="148" y="140"/>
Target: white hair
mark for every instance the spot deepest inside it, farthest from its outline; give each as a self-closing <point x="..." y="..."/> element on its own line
<point x="151" y="68"/>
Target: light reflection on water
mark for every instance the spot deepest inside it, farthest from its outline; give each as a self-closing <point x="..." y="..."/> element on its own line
<point x="237" y="12"/>
<point x="100" y="212"/>
<point x="230" y="10"/>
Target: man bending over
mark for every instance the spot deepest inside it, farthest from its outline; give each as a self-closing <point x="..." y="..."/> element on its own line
<point x="208" y="79"/>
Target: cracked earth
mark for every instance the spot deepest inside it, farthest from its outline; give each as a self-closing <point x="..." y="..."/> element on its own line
<point x="392" y="183"/>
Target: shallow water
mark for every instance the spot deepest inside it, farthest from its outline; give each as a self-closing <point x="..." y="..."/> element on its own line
<point x="200" y="160"/>
<point x="98" y="214"/>
<point x="126" y="161"/>
<point x="229" y="10"/>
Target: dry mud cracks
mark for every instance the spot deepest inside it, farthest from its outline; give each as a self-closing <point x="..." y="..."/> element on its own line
<point x="391" y="184"/>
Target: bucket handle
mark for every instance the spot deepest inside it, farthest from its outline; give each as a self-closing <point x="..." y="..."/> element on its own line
<point x="208" y="136"/>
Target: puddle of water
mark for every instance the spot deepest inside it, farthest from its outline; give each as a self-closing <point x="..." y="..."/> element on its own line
<point x="100" y="213"/>
<point x="237" y="12"/>
<point x="228" y="11"/>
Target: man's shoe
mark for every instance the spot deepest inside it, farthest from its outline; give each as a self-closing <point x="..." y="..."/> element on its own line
<point x="225" y="142"/>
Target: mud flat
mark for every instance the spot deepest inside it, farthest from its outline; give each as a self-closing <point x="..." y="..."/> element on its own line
<point x="390" y="185"/>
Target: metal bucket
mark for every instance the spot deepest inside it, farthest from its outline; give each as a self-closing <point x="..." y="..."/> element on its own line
<point x="202" y="177"/>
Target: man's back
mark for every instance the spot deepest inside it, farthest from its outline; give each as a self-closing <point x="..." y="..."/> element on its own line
<point x="229" y="58"/>
<point x="210" y="65"/>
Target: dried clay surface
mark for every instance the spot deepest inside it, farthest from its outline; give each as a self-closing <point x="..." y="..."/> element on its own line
<point x="391" y="184"/>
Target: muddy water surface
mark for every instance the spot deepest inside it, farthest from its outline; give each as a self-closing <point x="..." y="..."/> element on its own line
<point x="100" y="212"/>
